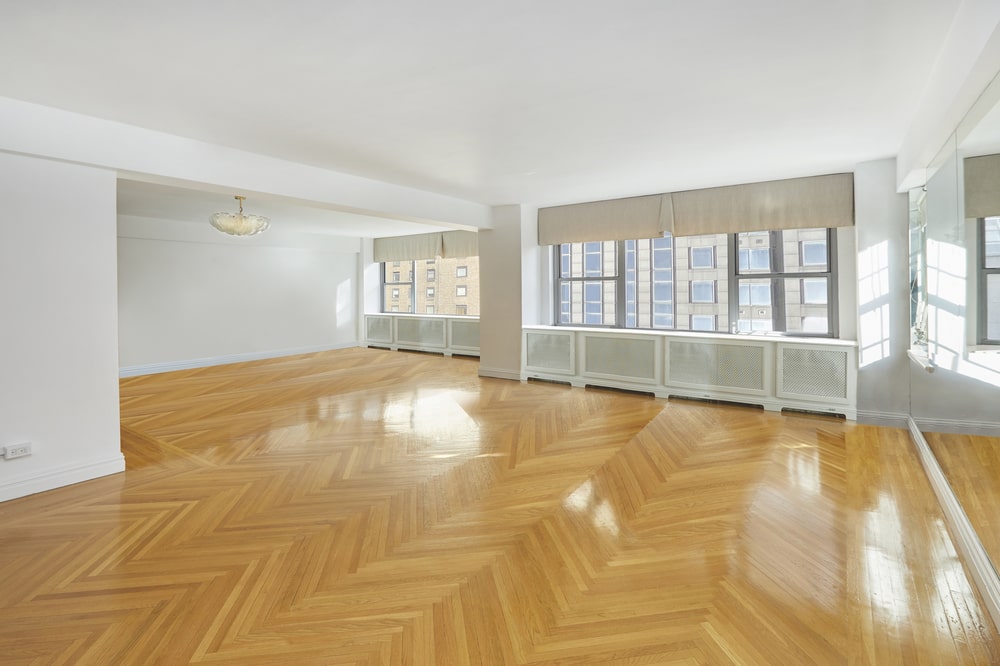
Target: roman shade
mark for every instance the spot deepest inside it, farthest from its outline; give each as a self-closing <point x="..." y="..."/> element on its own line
<point x="982" y="186"/>
<point x="427" y="246"/>
<point x="615" y="219"/>
<point x="796" y="203"/>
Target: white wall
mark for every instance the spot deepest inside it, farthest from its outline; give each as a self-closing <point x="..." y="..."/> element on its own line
<point x="58" y="333"/>
<point x="196" y="300"/>
<point x="882" y="286"/>
<point x="500" y="275"/>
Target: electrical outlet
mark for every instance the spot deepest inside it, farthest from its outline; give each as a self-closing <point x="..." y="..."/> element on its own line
<point x="17" y="450"/>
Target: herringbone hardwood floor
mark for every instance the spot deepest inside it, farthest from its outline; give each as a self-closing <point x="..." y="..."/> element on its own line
<point x="374" y="507"/>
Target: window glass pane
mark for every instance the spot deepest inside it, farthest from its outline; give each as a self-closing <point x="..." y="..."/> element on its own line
<point x="589" y="302"/>
<point x="755" y="314"/>
<point x="805" y="250"/>
<point x="754" y="252"/>
<point x="991" y="238"/>
<point x="993" y="306"/>
<point x="800" y="315"/>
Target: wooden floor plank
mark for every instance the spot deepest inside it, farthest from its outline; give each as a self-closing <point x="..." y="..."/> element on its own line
<point x="371" y="507"/>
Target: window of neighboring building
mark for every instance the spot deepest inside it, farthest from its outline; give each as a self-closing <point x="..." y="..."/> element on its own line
<point x="703" y="257"/>
<point x="461" y="309"/>
<point x="431" y="274"/>
<point x="460" y="290"/>
<point x="430" y="292"/>
<point x="702" y="322"/>
<point x="429" y="309"/>
<point x="989" y="280"/>
<point x="703" y="291"/>
<point x="462" y="271"/>
<point x="814" y="253"/>
<point x="395" y="293"/>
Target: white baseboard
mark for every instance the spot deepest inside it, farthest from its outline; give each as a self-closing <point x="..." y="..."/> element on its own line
<point x="170" y="366"/>
<point x="60" y="476"/>
<point x="887" y="419"/>
<point x="984" y="575"/>
<point x="499" y="374"/>
<point x="984" y="428"/>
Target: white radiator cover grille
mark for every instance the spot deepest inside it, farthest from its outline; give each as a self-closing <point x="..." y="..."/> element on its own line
<point x="621" y="357"/>
<point x="422" y="332"/>
<point x="379" y="329"/>
<point x="716" y="365"/>
<point x="552" y="352"/>
<point x="814" y="372"/>
<point x="465" y="334"/>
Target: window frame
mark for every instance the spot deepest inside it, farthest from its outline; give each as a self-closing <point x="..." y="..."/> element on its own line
<point x="982" y="286"/>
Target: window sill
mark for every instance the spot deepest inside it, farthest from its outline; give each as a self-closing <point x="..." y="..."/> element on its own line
<point x="920" y="357"/>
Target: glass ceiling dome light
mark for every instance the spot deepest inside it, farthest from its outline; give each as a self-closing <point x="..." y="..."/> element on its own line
<point x="239" y="224"/>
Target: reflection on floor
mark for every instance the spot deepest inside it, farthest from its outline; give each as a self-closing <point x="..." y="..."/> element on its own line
<point x="365" y="506"/>
<point x="972" y="465"/>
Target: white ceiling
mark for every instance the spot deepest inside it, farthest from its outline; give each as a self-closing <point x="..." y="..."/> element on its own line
<point x="495" y="101"/>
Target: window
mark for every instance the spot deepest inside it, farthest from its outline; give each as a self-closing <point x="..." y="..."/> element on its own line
<point x="462" y="271"/>
<point x="784" y="281"/>
<point x="412" y="286"/>
<point x="461" y="290"/>
<point x="703" y="257"/>
<point x="989" y="280"/>
<point x="703" y="291"/>
<point x="781" y="281"/>
<point x="587" y="279"/>
<point x="702" y="322"/>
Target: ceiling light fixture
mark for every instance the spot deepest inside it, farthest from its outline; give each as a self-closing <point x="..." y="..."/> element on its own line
<point x="238" y="224"/>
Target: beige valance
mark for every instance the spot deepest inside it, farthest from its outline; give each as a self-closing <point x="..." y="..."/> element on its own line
<point x="457" y="244"/>
<point x="982" y="186"/>
<point x="426" y="246"/>
<point x="615" y="219"/>
<point x="796" y="203"/>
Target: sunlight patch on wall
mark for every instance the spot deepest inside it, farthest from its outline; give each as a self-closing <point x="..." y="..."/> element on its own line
<point x="873" y="304"/>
